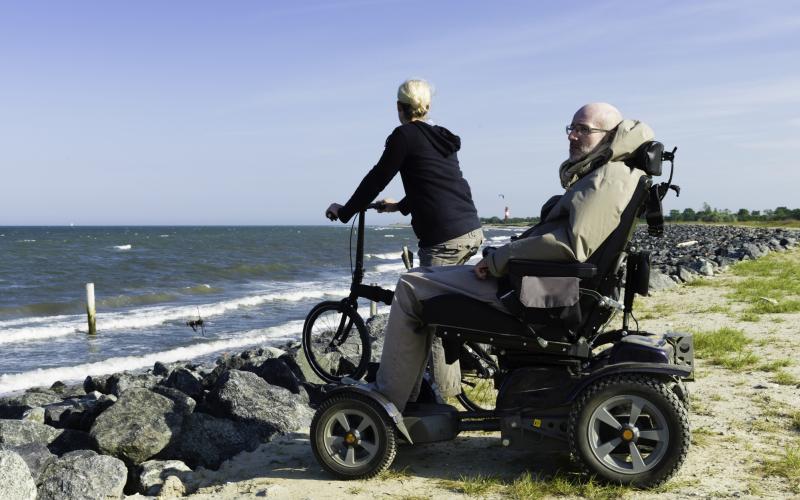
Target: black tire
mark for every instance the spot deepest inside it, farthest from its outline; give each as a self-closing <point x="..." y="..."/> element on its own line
<point x="478" y="371"/>
<point x="609" y="445"/>
<point x="349" y="355"/>
<point x="371" y="435"/>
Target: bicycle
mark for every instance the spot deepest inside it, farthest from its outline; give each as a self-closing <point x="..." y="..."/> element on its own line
<point x="337" y="344"/>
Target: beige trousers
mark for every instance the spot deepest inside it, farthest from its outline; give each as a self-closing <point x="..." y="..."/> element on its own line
<point x="407" y="342"/>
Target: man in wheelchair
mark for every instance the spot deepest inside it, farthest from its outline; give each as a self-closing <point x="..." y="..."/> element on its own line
<point x="541" y="303"/>
<point x="599" y="185"/>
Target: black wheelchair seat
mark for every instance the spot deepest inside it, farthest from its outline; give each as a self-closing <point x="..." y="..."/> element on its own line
<point x="460" y="311"/>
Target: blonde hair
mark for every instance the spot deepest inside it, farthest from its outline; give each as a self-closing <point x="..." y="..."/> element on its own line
<point x="415" y="96"/>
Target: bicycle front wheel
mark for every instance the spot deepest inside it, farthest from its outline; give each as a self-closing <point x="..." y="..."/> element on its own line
<point x="336" y="342"/>
<point x="478" y="371"/>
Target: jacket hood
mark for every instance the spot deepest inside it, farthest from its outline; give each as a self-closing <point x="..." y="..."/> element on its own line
<point x="442" y="140"/>
<point x="629" y="135"/>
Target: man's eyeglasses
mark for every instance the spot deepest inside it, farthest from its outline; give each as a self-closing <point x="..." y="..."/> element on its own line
<point x="583" y="129"/>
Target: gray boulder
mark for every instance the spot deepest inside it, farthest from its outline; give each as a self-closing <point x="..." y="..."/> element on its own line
<point x="185" y="381"/>
<point x="77" y="412"/>
<point x="37" y="457"/>
<point x="685" y="274"/>
<point x="278" y="372"/>
<point x="83" y="474"/>
<point x="15" y="477"/>
<point x="121" y="382"/>
<point x="208" y="441"/>
<point x="153" y="473"/>
<point x="247" y="398"/>
<point x="183" y="403"/>
<point x="20" y="432"/>
<point x="660" y="281"/>
<point x="752" y="250"/>
<point x="34" y="415"/>
<point x="138" y="426"/>
<point x="71" y="440"/>
<point x="96" y="383"/>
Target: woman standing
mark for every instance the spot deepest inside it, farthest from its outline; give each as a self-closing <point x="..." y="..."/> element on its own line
<point x="437" y="196"/>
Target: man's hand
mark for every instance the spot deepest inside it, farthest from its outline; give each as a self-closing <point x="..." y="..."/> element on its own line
<point x="332" y="211"/>
<point x="481" y="269"/>
<point x="389" y="205"/>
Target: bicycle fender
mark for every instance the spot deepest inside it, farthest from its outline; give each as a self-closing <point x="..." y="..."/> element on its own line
<point x="389" y="407"/>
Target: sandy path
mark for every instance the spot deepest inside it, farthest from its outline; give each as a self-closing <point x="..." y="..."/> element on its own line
<point x="738" y="419"/>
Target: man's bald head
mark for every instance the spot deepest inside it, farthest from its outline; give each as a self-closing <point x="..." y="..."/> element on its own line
<point x="590" y="127"/>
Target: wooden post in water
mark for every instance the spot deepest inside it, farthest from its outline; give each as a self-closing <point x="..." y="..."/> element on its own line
<point x="90" y="311"/>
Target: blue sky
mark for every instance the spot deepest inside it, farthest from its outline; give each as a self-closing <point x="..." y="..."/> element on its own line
<point x="265" y="112"/>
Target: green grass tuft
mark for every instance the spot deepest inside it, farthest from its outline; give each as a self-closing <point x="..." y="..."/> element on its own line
<point x="775" y="365"/>
<point x="785" y="378"/>
<point x="795" y="420"/>
<point x="787" y="466"/>
<point x="473" y="485"/>
<point x="725" y="347"/>
<point x="701" y="282"/>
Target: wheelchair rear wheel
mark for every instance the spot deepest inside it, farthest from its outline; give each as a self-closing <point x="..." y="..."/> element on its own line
<point x="352" y="437"/>
<point x="478" y="369"/>
<point x="630" y="429"/>
<point x="336" y="342"/>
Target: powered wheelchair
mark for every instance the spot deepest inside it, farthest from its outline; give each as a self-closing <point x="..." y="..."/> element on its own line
<point x="616" y="399"/>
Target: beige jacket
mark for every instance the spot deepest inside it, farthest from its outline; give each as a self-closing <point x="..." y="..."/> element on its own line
<point x="589" y="210"/>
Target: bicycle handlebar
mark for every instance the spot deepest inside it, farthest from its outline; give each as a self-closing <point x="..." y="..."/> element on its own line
<point x="379" y="205"/>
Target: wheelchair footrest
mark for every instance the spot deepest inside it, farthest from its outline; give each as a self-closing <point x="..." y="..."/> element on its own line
<point x="429" y="422"/>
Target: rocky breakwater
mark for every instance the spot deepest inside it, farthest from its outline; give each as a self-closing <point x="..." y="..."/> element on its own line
<point x="689" y="251"/>
<point x="145" y="432"/>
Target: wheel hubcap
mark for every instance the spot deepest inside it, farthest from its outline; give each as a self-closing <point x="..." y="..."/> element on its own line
<point x="628" y="434"/>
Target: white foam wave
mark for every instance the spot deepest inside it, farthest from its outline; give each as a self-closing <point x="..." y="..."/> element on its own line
<point x="122" y="247"/>
<point x="59" y="326"/>
<point x="500" y="238"/>
<point x="27" y="241"/>
<point x="385" y="268"/>
<point x="388" y="236"/>
<point x="18" y="381"/>
<point x="385" y="256"/>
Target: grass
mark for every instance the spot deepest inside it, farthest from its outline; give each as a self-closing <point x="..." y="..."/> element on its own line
<point x="787" y="466"/>
<point x="726" y="347"/>
<point x="783" y="377"/>
<point x="771" y="284"/>
<point x="701" y="436"/>
<point x="528" y="486"/>
<point x="795" y="420"/>
<point x="701" y="282"/>
<point x="750" y="317"/>
<point x="717" y="308"/>
<point x="776" y="365"/>
<point x="394" y="474"/>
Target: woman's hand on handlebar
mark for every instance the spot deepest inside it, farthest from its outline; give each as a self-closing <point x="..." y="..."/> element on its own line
<point x="332" y="212"/>
<point x="387" y="205"/>
<point x="481" y="269"/>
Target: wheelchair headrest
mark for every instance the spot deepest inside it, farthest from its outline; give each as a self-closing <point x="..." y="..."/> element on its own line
<point x="647" y="157"/>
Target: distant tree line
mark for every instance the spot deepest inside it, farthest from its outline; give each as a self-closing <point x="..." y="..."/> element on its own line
<point x="709" y="214"/>
<point x="705" y="214"/>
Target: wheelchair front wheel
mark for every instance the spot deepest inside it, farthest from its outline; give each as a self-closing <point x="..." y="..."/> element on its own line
<point x="352" y="437"/>
<point x="478" y="369"/>
<point x="336" y="342"/>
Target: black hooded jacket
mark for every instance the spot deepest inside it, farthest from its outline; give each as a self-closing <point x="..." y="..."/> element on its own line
<point x="437" y="195"/>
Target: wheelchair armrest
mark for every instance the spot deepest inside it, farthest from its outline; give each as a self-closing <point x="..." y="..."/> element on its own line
<point x="542" y="268"/>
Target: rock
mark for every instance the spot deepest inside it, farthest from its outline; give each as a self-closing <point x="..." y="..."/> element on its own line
<point x="34" y="415"/>
<point x="72" y="440"/>
<point x="37" y="457"/>
<point x="20" y="432"/>
<point x="138" y="426"/>
<point x="245" y="397"/>
<point x="77" y="412"/>
<point x="96" y="383"/>
<point x="185" y="381"/>
<point x="208" y="441"/>
<point x="173" y="487"/>
<point x="67" y="391"/>
<point x="83" y="474"/>
<point x="183" y="403"/>
<point x="659" y="281"/>
<point x="752" y="250"/>
<point x="685" y="274"/>
<point x="121" y="382"/>
<point x="15" y="477"/>
<point x="277" y="372"/>
<point x="154" y="473"/>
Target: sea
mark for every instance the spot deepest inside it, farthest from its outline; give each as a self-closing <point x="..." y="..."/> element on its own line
<point x="251" y="285"/>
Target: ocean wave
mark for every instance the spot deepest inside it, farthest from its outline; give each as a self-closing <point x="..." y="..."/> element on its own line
<point x="202" y="289"/>
<point x="388" y="236"/>
<point x="46" y="376"/>
<point x="385" y="268"/>
<point x="33" y="329"/>
<point x="385" y="256"/>
<point x="122" y="247"/>
<point x="500" y="238"/>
